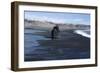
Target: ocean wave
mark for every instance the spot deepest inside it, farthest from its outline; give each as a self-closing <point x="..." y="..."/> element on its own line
<point x="83" y="33"/>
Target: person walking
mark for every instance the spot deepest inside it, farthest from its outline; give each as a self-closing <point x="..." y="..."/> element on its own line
<point x="55" y="32"/>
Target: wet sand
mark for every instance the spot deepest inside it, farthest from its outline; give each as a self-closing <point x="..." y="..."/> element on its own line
<point x="68" y="45"/>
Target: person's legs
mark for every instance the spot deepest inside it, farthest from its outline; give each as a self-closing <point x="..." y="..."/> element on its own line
<point x="52" y="34"/>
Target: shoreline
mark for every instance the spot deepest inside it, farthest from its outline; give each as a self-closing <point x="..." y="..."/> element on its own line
<point x="80" y="32"/>
<point x="68" y="46"/>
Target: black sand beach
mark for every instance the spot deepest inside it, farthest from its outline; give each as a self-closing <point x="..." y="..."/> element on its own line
<point x="68" y="45"/>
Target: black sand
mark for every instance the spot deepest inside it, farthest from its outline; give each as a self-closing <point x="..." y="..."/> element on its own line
<point x="68" y="45"/>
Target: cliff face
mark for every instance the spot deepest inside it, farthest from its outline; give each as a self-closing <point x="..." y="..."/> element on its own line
<point x="44" y="25"/>
<point x="39" y="25"/>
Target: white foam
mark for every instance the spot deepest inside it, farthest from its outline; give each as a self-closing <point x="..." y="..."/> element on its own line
<point x="82" y="33"/>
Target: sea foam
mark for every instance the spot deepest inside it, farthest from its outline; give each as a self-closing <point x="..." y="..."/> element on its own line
<point x="83" y="33"/>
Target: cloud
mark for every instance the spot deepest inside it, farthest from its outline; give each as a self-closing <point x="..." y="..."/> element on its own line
<point x="73" y="19"/>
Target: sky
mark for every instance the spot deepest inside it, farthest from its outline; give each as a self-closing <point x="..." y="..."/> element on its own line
<point x="58" y="17"/>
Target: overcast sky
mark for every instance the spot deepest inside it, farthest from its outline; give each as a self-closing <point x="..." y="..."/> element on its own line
<point x="58" y="17"/>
